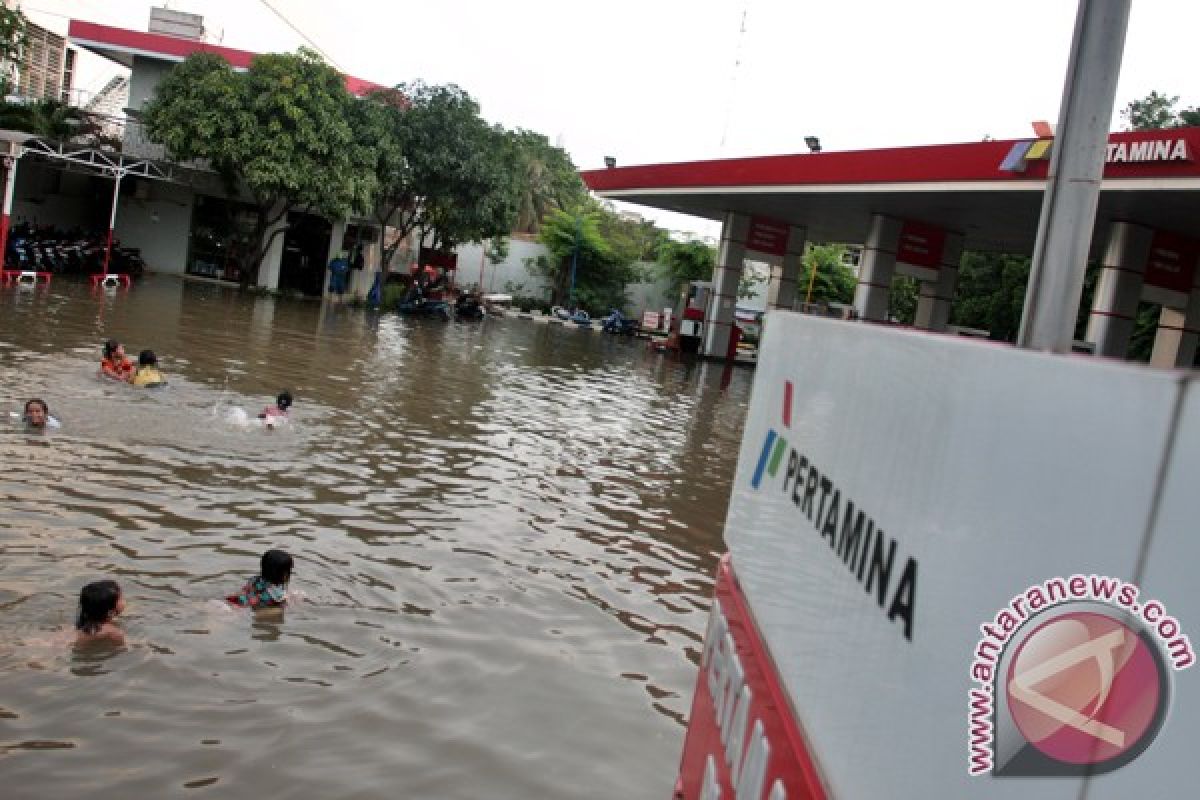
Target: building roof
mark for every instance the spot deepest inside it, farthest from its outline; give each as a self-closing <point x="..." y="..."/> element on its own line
<point x="122" y="45"/>
<point x="990" y="191"/>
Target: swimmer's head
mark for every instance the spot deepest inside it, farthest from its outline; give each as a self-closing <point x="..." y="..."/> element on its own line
<point x="146" y="358"/>
<point x="284" y="400"/>
<point x="113" y="348"/>
<point x="99" y="602"/>
<point x="276" y="567"/>
<point x="36" y="412"/>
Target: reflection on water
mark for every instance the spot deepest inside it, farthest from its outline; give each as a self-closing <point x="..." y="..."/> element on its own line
<point x="504" y="535"/>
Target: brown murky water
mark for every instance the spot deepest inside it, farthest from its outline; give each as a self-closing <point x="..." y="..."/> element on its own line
<point x="504" y="536"/>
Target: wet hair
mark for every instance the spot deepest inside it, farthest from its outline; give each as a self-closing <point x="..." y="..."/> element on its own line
<point x="37" y="401"/>
<point x="276" y="567"/>
<point x="284" y="400"/>
<point x="110" y="347"/>
<point x="146" y="358"/>
<point x="97" y="601"/>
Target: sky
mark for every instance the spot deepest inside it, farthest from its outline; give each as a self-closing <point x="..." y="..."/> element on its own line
<point x="648" y="81"/>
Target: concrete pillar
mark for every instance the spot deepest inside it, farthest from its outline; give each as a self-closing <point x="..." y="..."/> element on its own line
<point x="873" y="294"/>
<point x="1119" y="288"/>
<point x="1178" y="333"/>
<point x="268" y="271"/>
<point x="337" y="232"/>
<point x="783" y="290"/>
<point x="718" y="318"/>
<point x="933" y="305"/>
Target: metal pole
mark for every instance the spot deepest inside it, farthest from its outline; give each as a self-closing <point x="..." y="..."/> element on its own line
<point x="112" y="221"/>
<point x="10" y="183"/>
<point x="812" y="278"/>
<point x="1073" y="183"/>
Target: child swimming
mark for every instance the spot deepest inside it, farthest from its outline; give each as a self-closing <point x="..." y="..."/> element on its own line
<point x="100" y="602"/>
<point x="269" y="588"/>
<point x="273" y="415"/>
<point x="115" y="363"/>
<point x="37" y="415"/>
<point x="147" y="374"/>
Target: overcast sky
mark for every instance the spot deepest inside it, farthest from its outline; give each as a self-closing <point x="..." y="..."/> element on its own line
<point x="674" y="80"/>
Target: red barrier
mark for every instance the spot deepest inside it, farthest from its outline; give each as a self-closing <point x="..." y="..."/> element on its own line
<point x="15" y="277"/>
<point x="112" y="280"/>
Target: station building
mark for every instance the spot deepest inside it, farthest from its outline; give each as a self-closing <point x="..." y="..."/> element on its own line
<point x="177" y="214"/>
<point x="915" y="210"/>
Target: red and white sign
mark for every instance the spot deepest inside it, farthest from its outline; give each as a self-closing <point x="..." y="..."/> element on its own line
<point x="919" y="253"/>
<point x="1172" y="262"/>
<point x="742" y="741"/>
<point x="651" y="320"/>
<point x="767" y="236"/>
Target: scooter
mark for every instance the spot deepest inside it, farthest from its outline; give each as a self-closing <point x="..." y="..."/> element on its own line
<point x="618" y="323"/>
<point x="416" y="304"/>
<point x="468" y="307"/>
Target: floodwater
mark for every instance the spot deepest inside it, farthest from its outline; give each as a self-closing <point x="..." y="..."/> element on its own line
<point x="504" y="536"/>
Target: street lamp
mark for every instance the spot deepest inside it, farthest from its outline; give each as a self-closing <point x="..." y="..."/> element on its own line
<point x="813" y="143"/>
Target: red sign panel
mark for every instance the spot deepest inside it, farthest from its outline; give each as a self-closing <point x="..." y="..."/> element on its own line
<point x="921" y="245"/>
<point x="1172" y="262"/>
<point x="767" y="236"/>
<point x="742" y="741"/>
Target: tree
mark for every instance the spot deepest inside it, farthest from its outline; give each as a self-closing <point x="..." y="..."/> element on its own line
<point x="279" y="133"/>
<point x="749" y="281"/>
<point x="546" y="179"/>
<point x="48" y="119"/>
<point x="902" y="299"/>
<point x="990" y="294"/>
<point x="683" y="262"/>
<point x="593" y="242"/>
<point x="12" y="45"/>
<point x="443" y="172"/>
<point x="831" y="280"/>
<point x="1156" y="111"/>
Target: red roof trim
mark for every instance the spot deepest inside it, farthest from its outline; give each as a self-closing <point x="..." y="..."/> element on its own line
<point x="173" y="48"/>
<point x="972" y="161"/>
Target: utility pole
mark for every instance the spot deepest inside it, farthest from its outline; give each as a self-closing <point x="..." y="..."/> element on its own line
<point x="1076" y="170"/>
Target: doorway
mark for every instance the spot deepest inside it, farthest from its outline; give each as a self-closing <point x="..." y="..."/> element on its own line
<point x="305" y="250"/>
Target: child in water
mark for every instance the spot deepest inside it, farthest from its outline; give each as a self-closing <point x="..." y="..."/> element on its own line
<point x="277" y="413"/>
<point x="115" y="363"/>
<point x="147" y="374"/>
<point x="269" y="588"/>
<point x="37" y="415"/>
<point x="100" y="603"/>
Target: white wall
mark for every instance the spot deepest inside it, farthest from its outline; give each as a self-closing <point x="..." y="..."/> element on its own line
<point x="156" y="219"/>
<point x="471" y="258"/>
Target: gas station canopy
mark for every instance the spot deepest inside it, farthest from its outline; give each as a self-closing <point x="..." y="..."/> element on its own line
<point x="990" y="192"/>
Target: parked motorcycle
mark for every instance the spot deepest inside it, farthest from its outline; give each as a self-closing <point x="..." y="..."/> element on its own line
<point x="415" y="303"/>
<point x="618" y="323"/>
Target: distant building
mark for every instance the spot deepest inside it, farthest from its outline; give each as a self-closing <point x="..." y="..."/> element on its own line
<point x="47" y="67"/>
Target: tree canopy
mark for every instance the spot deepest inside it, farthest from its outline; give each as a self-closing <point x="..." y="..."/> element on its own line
<point x="12" y="44"/>
<point x="281" y="132"/>
<point x="601" y="245"/>
<point x="1156" y="111"/>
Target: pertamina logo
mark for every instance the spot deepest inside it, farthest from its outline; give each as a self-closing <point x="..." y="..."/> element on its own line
<point x="867" y="554"/>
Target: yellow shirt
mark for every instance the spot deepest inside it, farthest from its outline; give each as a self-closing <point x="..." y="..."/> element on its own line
<point x="149" y="376"/>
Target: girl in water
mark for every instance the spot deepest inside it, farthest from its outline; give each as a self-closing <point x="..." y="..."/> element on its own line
<point x="100" y="602"/>
<point x="115" y="363"/>
<point x="269" y="588"/>
<point x="273" y="415"/>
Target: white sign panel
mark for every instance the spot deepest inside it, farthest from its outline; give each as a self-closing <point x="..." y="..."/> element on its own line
<point x="896" y="495"/>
